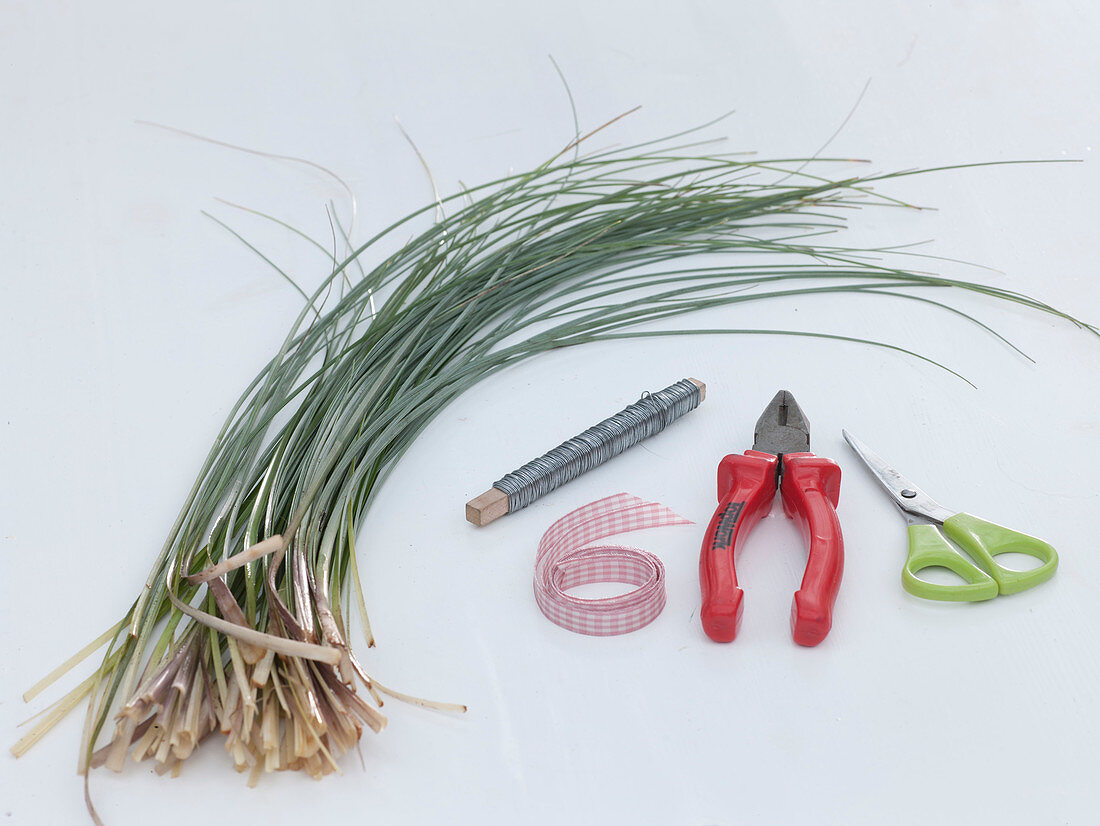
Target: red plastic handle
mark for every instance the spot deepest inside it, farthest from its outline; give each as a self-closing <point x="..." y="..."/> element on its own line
<point x="746" y="488"/>
<point x="811" y="489"/>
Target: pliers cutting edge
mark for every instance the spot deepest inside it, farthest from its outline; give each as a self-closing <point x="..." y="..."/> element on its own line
<point x="810" y="486"/>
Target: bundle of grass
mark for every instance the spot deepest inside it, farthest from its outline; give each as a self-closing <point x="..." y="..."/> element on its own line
<point x="242" y="625"/>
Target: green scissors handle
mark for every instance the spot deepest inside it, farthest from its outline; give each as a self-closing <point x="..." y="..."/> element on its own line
<point x="984" y="578"/>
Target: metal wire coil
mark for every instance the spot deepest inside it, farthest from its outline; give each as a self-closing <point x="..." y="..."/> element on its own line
<point x="652" y="413"/>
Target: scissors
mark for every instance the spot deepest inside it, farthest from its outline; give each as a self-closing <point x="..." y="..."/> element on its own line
<point x="983" y="578"/>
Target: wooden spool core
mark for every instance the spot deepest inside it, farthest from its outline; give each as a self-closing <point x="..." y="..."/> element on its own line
<point x="493" y="504"/>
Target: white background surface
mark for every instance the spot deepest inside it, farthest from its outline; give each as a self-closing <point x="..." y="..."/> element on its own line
<point x="130" y="322"/>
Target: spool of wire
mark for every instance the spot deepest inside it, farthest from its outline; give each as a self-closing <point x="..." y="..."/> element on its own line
<point x="651" y="414"/>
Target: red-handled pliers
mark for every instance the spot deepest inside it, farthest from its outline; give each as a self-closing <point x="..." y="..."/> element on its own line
<point x="810" y="486"/>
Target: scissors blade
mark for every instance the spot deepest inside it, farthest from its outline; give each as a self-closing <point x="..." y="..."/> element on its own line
<point x="907" y="496"/>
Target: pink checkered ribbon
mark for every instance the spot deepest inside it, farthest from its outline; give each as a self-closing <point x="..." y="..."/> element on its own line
<point x="563" y="563"/>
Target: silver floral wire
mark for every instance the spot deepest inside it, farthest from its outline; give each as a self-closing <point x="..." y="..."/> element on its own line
<point x="651" y="414"/>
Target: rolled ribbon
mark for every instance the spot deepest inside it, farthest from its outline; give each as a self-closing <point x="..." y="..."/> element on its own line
<point x="563" y="562"/>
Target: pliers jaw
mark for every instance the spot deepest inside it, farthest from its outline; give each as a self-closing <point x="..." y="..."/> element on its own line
<point x="782" y="428"/>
